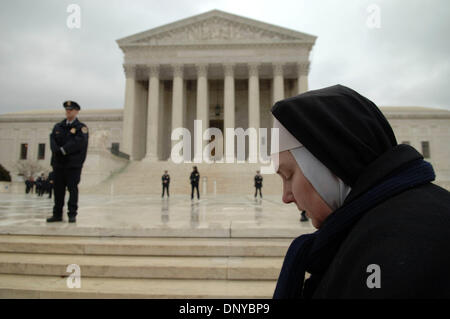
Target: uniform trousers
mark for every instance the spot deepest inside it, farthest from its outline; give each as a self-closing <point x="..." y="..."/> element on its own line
<point x="66" y="178"/>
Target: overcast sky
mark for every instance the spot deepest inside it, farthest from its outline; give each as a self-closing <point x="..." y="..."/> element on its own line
<point x="405" y="62"/>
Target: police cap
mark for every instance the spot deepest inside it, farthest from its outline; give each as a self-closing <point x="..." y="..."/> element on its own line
<point x="71" y="105"/>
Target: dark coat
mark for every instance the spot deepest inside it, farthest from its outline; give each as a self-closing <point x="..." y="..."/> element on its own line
<point x="194" y="178"/>
<point x="165" y="179"/>
<point x="258" y="181"/>
<point x="73" y="139"/>
<point x="408" y="236"/>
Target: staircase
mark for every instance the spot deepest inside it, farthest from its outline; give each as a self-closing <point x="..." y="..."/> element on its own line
<point x="141" y="177"/>
<point x="36" y="267"/>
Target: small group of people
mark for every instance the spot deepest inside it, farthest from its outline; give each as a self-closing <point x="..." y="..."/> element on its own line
<point x="194" y="179"/>
<point x="42" y="185"/>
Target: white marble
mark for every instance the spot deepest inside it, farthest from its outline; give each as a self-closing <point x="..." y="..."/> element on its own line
<point x="151" y="216"/>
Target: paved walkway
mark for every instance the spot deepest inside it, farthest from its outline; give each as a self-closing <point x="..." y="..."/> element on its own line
<point x="151" y="216"/>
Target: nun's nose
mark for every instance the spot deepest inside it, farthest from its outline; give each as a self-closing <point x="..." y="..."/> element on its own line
<point x="288" y="197"/>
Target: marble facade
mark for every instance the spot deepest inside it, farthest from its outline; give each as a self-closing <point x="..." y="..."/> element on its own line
<point x="222" y="69"/>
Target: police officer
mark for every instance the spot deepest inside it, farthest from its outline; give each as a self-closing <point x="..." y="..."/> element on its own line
<point x="165" y="183"/>
<point x="69" y="142"/>
<point x="50" y="184"/>
<point x="39" y="184"/>
<point x="258" y="183"/>
<point x="194" y="178"/>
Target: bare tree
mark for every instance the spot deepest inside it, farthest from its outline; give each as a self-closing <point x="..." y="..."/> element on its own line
<point x="29" y="168"/>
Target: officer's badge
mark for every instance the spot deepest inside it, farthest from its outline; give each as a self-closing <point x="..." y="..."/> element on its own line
<point x="84" y="129"/>
<point x="73" y="130"/>
<point x="69" y="103"/>
<point x="56" y="132"/>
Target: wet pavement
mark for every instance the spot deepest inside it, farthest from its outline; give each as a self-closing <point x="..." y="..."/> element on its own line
<point x="151" y="216"/>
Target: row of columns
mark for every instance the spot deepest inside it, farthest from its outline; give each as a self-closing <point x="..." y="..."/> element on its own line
<point x="202" y="107"/>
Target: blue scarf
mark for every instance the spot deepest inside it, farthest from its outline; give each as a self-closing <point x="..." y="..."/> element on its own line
<point x="314" y="252"/>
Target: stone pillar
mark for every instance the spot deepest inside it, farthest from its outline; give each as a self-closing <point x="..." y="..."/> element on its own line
<point x="129" y="113"/>
<point x="153" y="113"/>
<point x="177" y="97"/>
<point x="303" y="70"/>
<point x="278" y="83"/>
<point x="202" y="111"/>
<point x="253" y="96"/>
<point x="202" y="95"/>
<point x="228" y="101"/>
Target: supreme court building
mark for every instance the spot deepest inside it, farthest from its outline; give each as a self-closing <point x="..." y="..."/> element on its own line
<point x="222" y="69"/>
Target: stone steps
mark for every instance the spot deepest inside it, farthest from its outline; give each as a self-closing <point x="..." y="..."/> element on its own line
<point x="142" y="177"/>
<point x="36" y="267"/>
<point x="213" y="247"/>
<point x="46" y="287"/>
<point x="151" y="267"/>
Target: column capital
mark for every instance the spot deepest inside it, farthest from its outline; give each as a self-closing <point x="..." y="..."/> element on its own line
<point x="153" y="70"/>
<point x="253" y="68"/>
<point x="177" y="70"/>
<point x="228" y="69"/>
<point x="303" y="68"/>
<point x="130" y="70"/>
<point x="277" y="68"/>
<point x="202" y="69"/>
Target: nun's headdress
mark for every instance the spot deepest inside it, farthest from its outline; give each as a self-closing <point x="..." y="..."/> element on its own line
<point x="333" y="133"/>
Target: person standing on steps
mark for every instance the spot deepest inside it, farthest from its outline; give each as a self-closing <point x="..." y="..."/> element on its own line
<point x="258" y="184"/>
<point x="69" y="143"/>
<point x="194" y="178"/>
<point x="165" y="183"/>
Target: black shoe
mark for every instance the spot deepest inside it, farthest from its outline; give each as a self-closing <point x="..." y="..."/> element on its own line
<point x="54" y="219"/>
<point x="72" y="219"/>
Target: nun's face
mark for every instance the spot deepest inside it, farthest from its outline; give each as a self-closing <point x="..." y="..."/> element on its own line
<point x="297" y="189"/>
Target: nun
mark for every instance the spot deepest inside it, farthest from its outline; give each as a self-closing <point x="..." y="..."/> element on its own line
<point x="383" y="227"/>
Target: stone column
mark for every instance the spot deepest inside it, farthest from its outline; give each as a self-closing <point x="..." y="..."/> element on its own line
<point x="202" y="111"/>
<point x="228" y="101"/>
<point x="278" y="82"/>
<point x="177" y="97"/>
<point x="129" y="110"/>
<point x="202" y="95"/>
<point x="153" y="113"/>
<point x="303" y="70"/>
<point x="253" y="96"/>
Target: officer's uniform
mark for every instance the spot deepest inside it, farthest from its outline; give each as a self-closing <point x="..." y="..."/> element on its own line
<point x="69" y="143"/>
<point x="258" y="184"/>
<point x="50" y="184"/>
<point x="165" y="184"/>
<point x="195" y="178"/>
<point x="39" y="185"/>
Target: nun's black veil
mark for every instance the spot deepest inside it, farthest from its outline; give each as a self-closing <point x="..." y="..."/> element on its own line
<point x="341" y="128"/>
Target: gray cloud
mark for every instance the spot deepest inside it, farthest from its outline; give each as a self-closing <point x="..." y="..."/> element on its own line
<point x="405" y="62"/>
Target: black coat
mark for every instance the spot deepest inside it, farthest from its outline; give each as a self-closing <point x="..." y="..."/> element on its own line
<point x="73" y="139"/>
<point x="165" y="179"/>
<point x="258" y="181"/>
<point x="408" y="236"/>
<point x="194" y="178"/>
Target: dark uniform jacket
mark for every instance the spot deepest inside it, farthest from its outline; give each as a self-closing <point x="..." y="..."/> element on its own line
<point x="165" y="179"/>
<point x="195" y="177"/>
<point x="73" y="139"/>
<point x="258" y="181"/>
